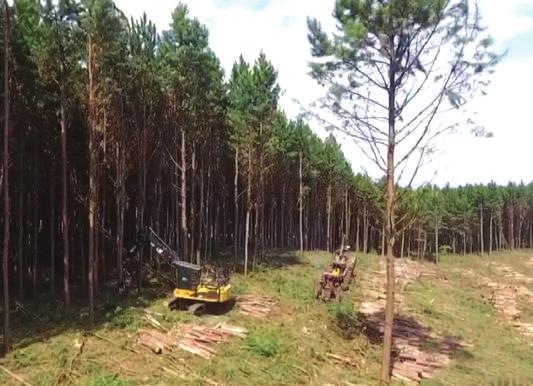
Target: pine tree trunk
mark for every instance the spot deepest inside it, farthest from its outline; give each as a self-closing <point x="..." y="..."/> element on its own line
<point x="328" y="211"/>
<point x="20" y="241"/>
<point x="301" y="202"/>
<point x="383" y="240"/>
<point x="92" y="181"/>
<point x="530" y="232"/>
<point x="236" y="208"/>
<point x="390" y="222"/>
<point x="464" y="237"/>
<point x="436" y="238"/>
<point x="120" y="197"/>
<point x="53" y="229"/>
<point x="409" y="243"/>
<point x="192" y="203"/>
<point x="347" y="216"/>
<point x="210" y="230"/>
<point x="64" y="203"/>
<point x="5" y="243"/>
<point x="357" y="245"/>
<point x="184" y="230"/>
<point x="481" y="229"/>
<point x="365" y="230"/>
<point x="35" y="221"/>
<point x="490" y="234"/>
<point x="248" y="210"/>
<point x="419" y="242"/>
<point x="403" y="241"/>
<point x="202" y="226"/>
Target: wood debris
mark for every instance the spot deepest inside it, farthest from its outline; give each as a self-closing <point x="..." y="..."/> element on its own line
<point x="504" y="296"/>
<point x="256" y="306"/>
<point x="14" y="376"/>
<point x="412" y="362"/>
<point x="196" y="339"/>
<point x="153" y="321"/>
<point x="343" y="360"/>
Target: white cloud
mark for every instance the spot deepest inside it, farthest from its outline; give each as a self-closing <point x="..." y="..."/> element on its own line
<point x="278" y="27"/>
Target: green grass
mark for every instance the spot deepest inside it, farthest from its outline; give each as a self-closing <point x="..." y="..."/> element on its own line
<point x="265" y="342"/>
<point x="290" y="347"/>
<point x="456" y="307"/>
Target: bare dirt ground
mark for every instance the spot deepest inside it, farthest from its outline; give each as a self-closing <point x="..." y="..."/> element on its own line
<point x="418" y="353"/>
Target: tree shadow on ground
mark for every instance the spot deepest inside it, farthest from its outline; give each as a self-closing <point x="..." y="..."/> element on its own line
<point x="33" y="323"/>
<point x="410" y="336"/>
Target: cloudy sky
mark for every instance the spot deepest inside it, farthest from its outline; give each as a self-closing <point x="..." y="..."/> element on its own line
<point x="278" y="27"/>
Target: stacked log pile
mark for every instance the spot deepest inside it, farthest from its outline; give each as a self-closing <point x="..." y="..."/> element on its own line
<point x="194" y="338"/>
<point x="256" y="305"/>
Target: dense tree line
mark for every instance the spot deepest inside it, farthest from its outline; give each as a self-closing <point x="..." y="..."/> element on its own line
<point x="114" y="127"/>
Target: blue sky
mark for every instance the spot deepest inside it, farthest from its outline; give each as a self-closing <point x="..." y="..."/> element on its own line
<point x="278" y="27"/>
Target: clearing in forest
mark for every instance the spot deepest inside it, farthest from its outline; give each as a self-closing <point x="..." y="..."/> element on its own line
<point x="447" y="332"/>
<point x="418" y="353"/>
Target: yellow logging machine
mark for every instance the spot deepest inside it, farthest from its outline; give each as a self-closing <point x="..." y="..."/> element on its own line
<point x="196" y="287"/>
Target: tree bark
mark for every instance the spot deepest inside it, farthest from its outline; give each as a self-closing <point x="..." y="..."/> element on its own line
<point x="436" y="238"/>
<point x="236" y="208"/>
<point x="357" y="246"/>
<point x="390" y="220"/>
<point x="328" y="223"/>
<point x="481" y="245"/>
<point x="184" y="230"/>
<point x="92" y="179"/>
<point x="301" y="202"/>
<point x="248" y="210"/>
<point x="7" y="213"/>
<point x="192" y="203"/>
<point x="490" y="234"/>
<point x="120" y="197"/>
<point x="53" y="229"/>
<point x="403" y="241"/>
<point x="64" y="201"/>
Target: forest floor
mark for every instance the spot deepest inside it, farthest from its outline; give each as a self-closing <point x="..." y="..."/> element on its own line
<point x="466" y="321"/>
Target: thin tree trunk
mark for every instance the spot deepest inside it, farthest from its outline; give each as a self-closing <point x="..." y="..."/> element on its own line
<point x="357" y="232"/>
<point x="301" y="202"/>
<point x="436" y="238"/>
<point x="236" y="208"/>
<point x="248" y="210"/>
<point x="403" y="241"/>
<point x="490" y="234"/>
<point x="53" y="229"/>
<point x="184" y="230"/>
<point x="409" y="243"/>
<point x="419" y="242"/>
<point x="390" y="224"/>
<point x="328" y="229"/>
<point x="203" y="230"/>
<point x="365" y="230"/>
<point x="20" y="242"/>
<point x="383" y="240"/>
<point x="5" y="244"/>
<point x="92" y="181"/>
<point x="64" y="202"/>
<point x="120" y="212"/>
<point x="192" y="203"/>
<point x="35" y="221"/>
<point x="481" y="229"/>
